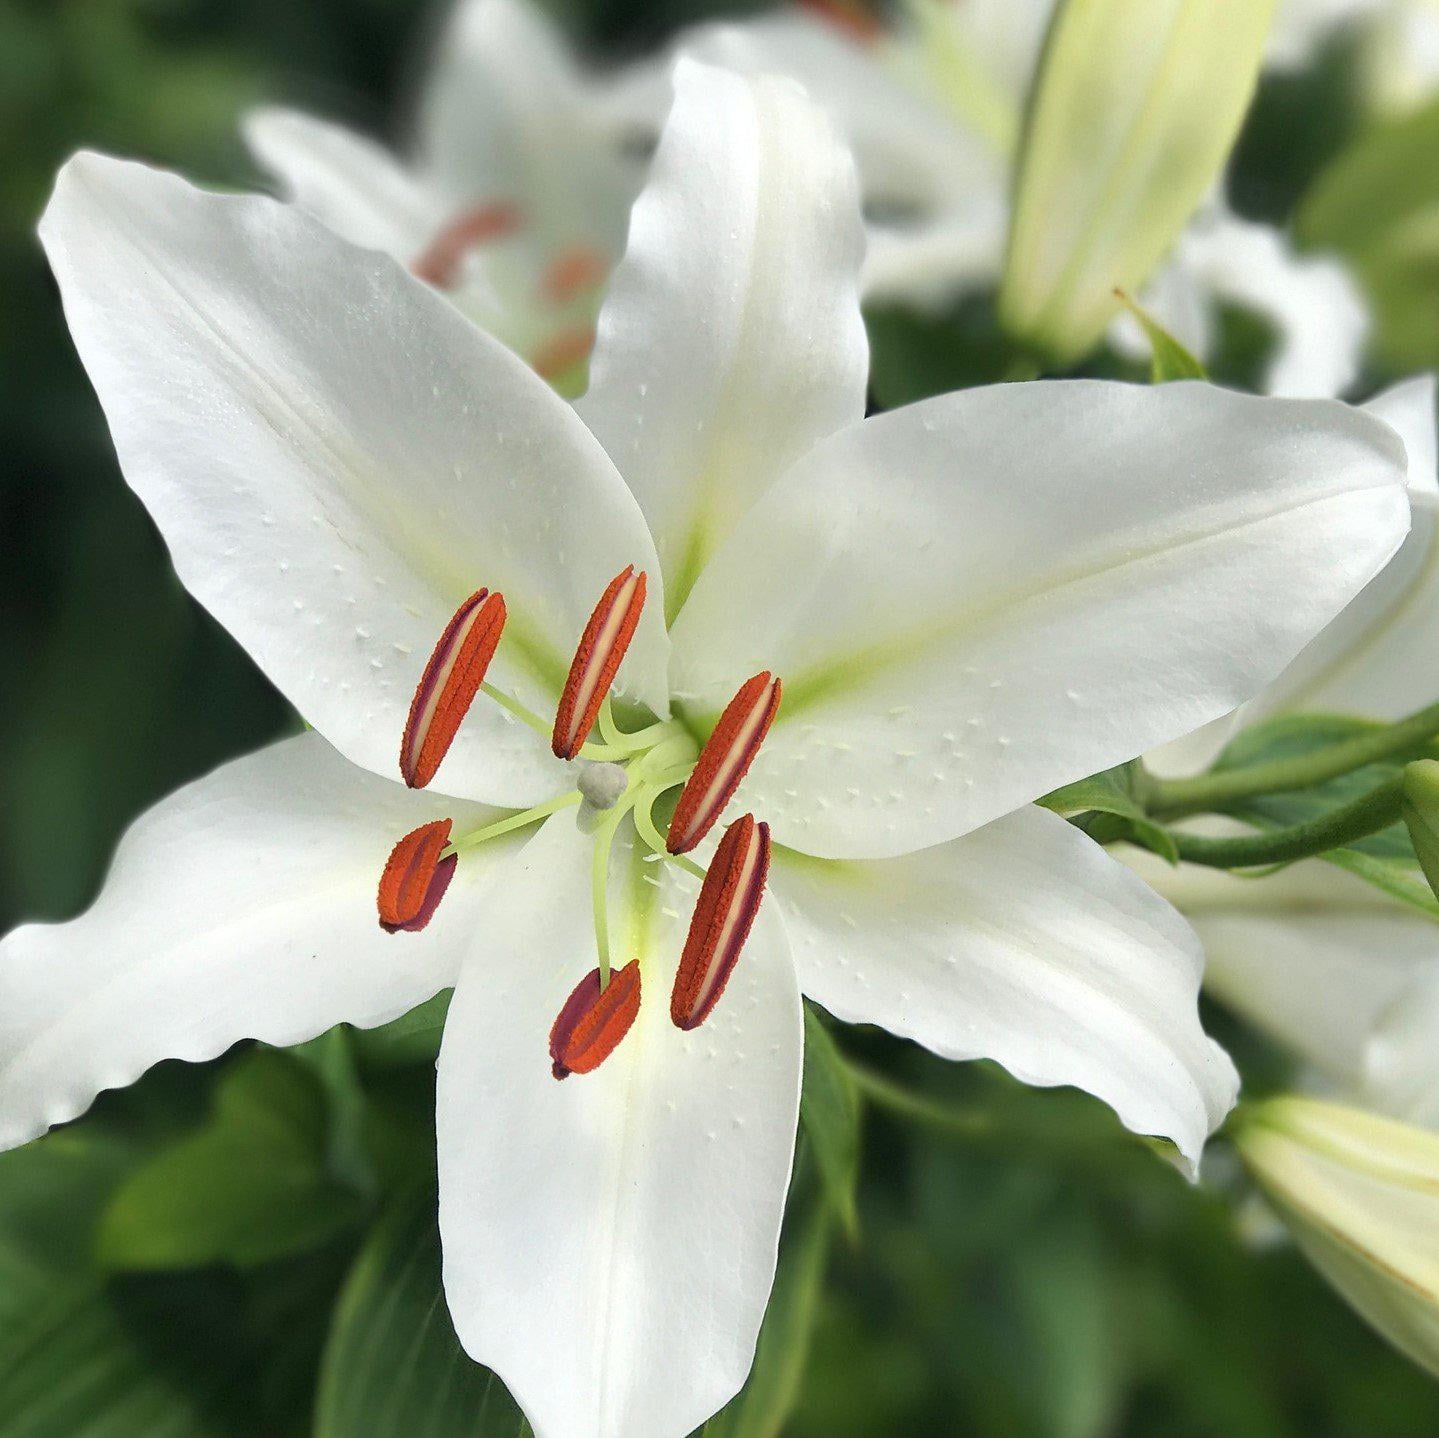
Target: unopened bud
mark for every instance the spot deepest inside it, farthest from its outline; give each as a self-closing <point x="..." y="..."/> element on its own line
<point x="1421" y="815"/>
<point x="1360" y="1193"/>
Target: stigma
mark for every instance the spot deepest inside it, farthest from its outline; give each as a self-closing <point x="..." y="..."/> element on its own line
<point x="593" y="1020"/>
<point x="452" y="677"/>
<point x="601" y="650"/>
<point x="415" y="878"/>
<point x="724" y="761"/>
<point x="724" y="914"/>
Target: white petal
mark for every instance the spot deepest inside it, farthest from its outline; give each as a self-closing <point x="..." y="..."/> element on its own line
<point x="913" y="154"/>
<point x="610" y="1239"/>
<point x="1311" y="955"/>
<point x="1401" y="1058"/>
<point x="1379" y="657"/>
<point x="984" y="596"/>
<point x="1025" y="943"/>
<point x="337" y="459"/>
<point x="929" y="264"/>
<point x="243" y="906"/>
<point x="507" y="116"/>
<point x="1302" y="26"/>
<point x="732" y="339"/>
<point x="346" y="181"/>
<point x="1319" y="317"/>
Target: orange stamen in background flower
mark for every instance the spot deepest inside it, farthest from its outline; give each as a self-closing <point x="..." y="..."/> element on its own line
<point x="564" y="351"/>
<point x="856" y="20"/>
<point x="593" y="1021"/>
<point x="724" y="914"/>
<point x="415" y="878"/>
<point x="439" y="263"/>
<point x="597" y="660"/>
<point x="724" y="761"/>
<point x="572" y="272"/>
<point x="448" y="686"/>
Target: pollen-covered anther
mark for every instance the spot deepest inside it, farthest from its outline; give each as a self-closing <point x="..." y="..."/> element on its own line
<point x="725" y="913"/>
<point x="415" y="878"/>
<point x="593" y="1021"/>
<point x="724" y="761"/>
<point x="448" y="686"/>
<point x="852" y="16"/>
<point x="563" y="351"/>
<point x="573" y="272"/>
<point x="597" y="660"/>
<point x="440" y="262"/>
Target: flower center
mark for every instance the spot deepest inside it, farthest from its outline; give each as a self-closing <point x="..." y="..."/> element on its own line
<point x="621" y="776"/>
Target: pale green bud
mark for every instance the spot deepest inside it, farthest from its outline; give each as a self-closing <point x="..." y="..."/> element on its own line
<point x="1136" y="107"/>
<point x="1360" y="1193"/>
<point x="1421" y="815"/>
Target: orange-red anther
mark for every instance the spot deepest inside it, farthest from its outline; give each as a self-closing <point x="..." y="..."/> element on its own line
<point x="448" y="686"/>
<point x="725" y="913"/>
<point x="439" y="263"/>
<point x="593" y="1021"/>
<point x="563" y="351"/>
<point x="572" y="272"/>
<point x="415" y="878"/>
<point x="851" y="16"/>
<point x="724" y="761"/>
<point x="597" y="660"/>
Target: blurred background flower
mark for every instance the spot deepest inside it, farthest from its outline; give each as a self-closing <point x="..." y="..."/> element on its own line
<point x="250" y="1249"/>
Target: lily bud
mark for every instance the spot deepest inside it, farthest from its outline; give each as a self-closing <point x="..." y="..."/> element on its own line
<point x="592" y="1022"/>
<point x="1421" y="815"/>
<point x="1134" y="111"/>
<point x="1361" y="1195"/>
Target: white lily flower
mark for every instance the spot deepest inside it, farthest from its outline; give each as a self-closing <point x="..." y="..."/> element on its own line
<point x="1361" y="1195"/>
<point x="515" y="199"/>
<point x="969" y="602"/>
<point x="1344" y="977"/>
<point x="1398" y="44"/>
<point x="932" y="110"/>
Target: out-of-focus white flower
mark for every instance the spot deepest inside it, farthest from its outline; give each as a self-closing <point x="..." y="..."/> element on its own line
<point x="515" y="196"/>
<point x="1397" y="44"/>
<point x="1361" y="1195"/>
<point x="932" y="109"/>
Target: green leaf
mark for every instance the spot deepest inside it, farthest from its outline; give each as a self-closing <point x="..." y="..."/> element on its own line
<point x="393" y="1367"/>
<point x="764" y="1404"/>
<point x="249" y="1186"/>
<point x="411" y="1039"/>
<point x="1377" y="204"/>
<point x="1111" y="792"/>
<point x="830" y="1112"/>
<point x="1387" y="859"/>
<point x="1169" y="360"/>
<point x="70" y="1368"/>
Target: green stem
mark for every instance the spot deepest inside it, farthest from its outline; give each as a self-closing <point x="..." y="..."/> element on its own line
<point x="1366" y="815"/>
<point x="904" y="1102"/>
<point x="1173" y="798"/>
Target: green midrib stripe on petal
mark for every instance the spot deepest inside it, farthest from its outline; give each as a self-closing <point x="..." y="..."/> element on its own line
<point x="812" y="687"/>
